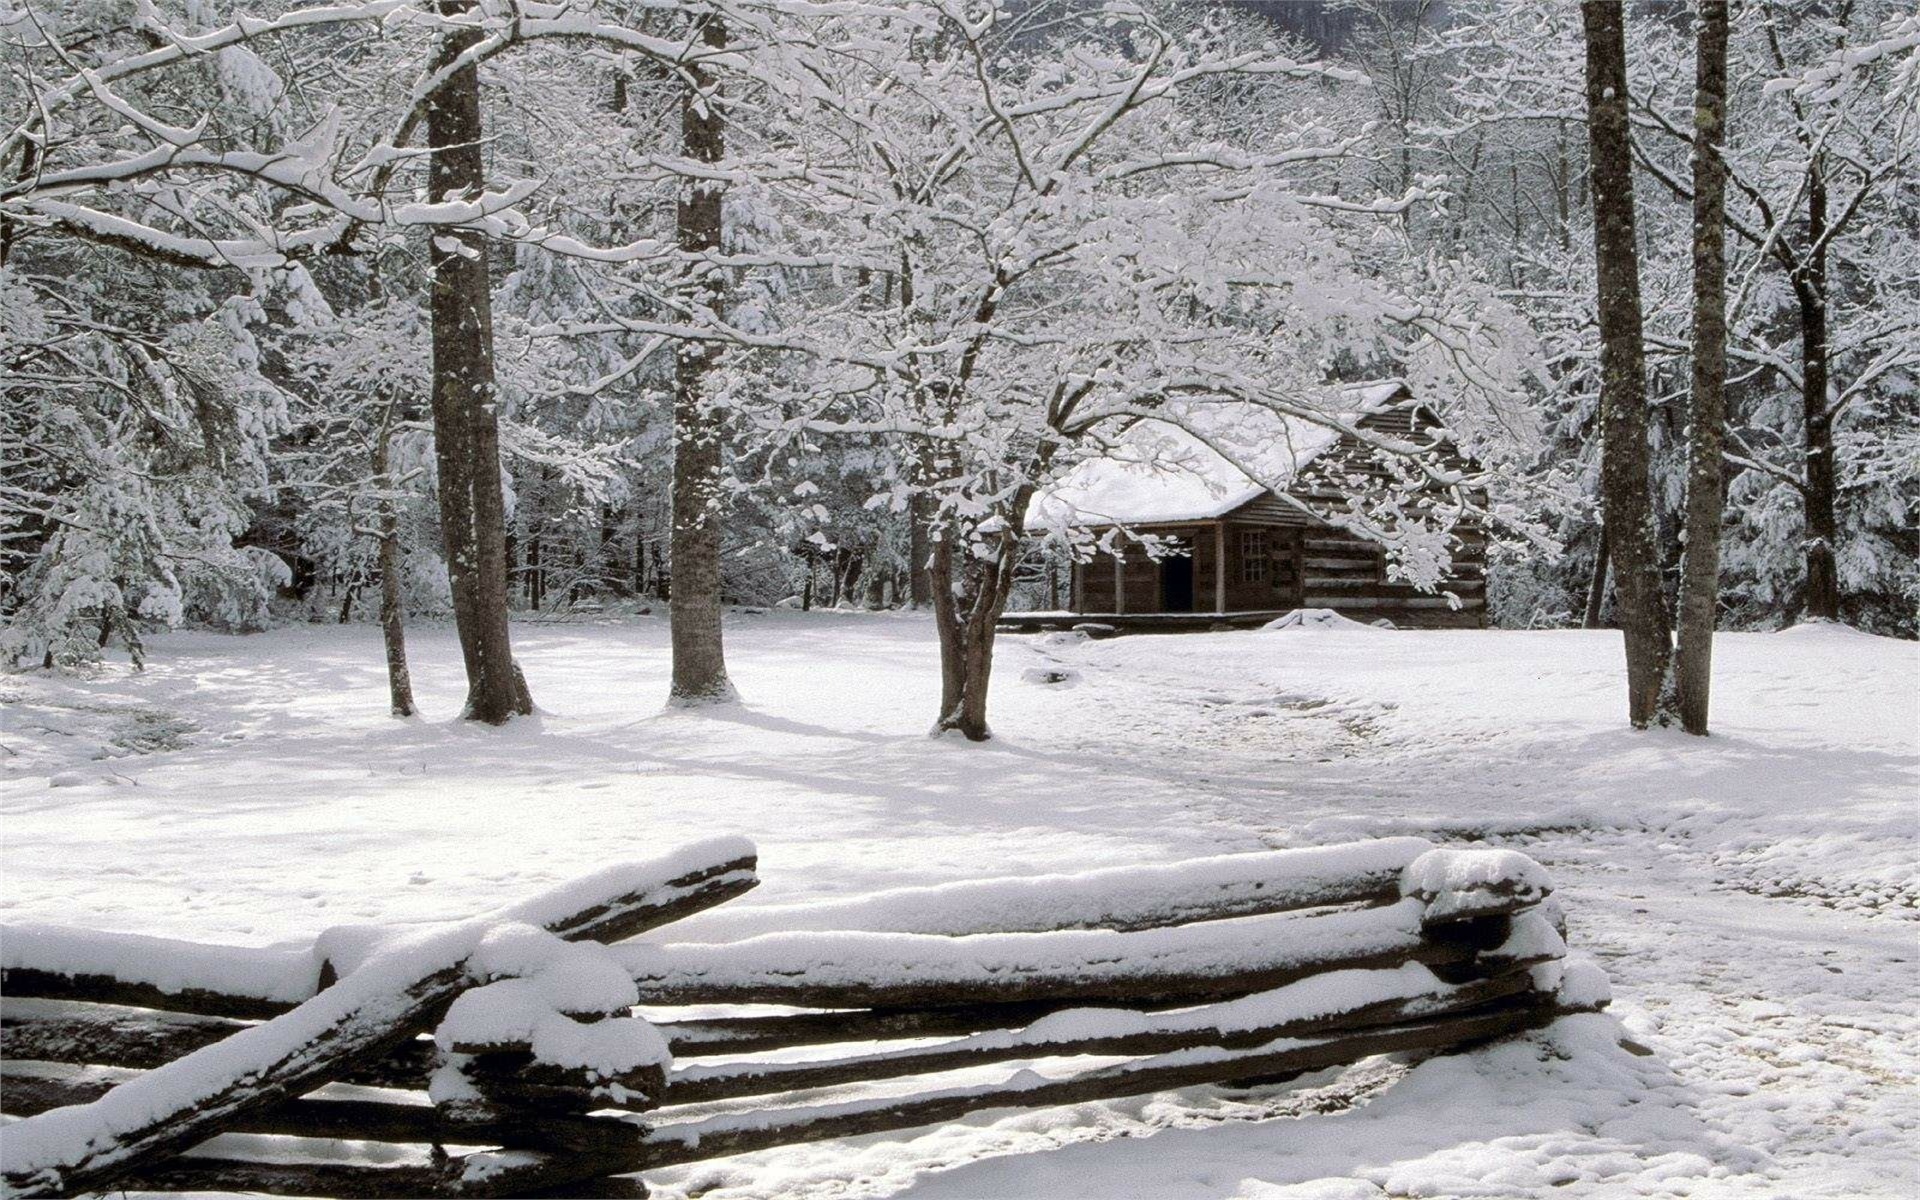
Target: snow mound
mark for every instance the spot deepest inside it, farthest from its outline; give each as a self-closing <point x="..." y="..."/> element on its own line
<point x="1461" y="883"/>
<point x="1317" y="618"/>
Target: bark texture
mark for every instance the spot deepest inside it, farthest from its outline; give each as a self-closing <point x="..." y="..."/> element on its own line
<point x="393" y="608"/>
<point x="466" y="424"/>
<point x="1597" y="585"/>
<point x="1818" y="493"/>
<point x="919" y="550"/>
<point x="699" y="657"/>
<point x="1706" y="495"/>
<point x="969" y="593"/>
<point x="1625" y="492"/>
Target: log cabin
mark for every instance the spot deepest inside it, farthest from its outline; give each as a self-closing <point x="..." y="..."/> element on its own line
<point x="1235" y="551"/>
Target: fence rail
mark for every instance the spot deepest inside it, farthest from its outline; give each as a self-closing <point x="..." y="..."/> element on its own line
<point x="519" y="1066"/>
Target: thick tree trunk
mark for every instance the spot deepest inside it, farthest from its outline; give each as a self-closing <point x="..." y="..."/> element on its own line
<point x="1700" y="563"/>
<point x="466" y="425"/>
<point x="699" y="658"/>
<point x="969" y="595"/>
<point x="1623" y="389"/>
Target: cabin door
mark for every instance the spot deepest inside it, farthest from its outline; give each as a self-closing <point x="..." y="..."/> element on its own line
<point x="1176" y="582"/>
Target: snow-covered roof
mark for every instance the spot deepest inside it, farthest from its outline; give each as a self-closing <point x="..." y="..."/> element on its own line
<point x="1163" y="473"/>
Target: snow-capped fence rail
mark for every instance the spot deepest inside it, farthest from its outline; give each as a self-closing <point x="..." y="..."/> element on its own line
<point x="123" y="1061"/>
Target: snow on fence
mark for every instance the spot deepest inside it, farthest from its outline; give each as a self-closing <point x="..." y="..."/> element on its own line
<point x="513" y="1062"/>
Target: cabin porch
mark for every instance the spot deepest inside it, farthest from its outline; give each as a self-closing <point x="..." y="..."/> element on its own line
<point x="1212" y="568"/>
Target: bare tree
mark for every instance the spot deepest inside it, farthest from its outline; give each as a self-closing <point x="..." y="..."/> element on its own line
<point x="699" y="658"/>
<point x="393" y="609"/>
<point x="465" y="420"/>
<point x="1623" y="385"/>
<point x="1700" y="563"/>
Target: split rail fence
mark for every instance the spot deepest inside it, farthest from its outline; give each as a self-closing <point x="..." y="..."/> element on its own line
<point x="503" y="1057"/>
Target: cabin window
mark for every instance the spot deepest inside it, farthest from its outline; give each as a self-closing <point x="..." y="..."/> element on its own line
<point x="1256" y="563"/>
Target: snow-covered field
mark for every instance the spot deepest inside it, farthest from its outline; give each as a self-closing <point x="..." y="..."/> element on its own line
<point x="1753" y="895"/>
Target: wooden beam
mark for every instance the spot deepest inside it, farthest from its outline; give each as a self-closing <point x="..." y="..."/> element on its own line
<point x="695" y="1085"/>
<point x="1119" y="583"/>
<point x="1129" y="898"/>
<point x="668" y="901"/>
<point x="760" y="1130"/>
<point x="389" y="1000"/>
<point x="1220" y="567"/>
<point x="1210" y="959"/>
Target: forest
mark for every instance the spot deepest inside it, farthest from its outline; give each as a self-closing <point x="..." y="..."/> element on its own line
<point x="987" y="599"/>
<point x="383" y="311"/>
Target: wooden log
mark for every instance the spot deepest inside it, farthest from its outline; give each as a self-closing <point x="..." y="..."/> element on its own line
<point x="693" y="888"/>
<point x="895" y="970"/>
<point x="389" y="1000"/>
<point x="127" y="968"/>
<point x="70" y="1032"/>
<point x="106" y="989"/>
<point x="694" y="1085"/>
<point x="506" y="1173"/>
<point x="1118" y="898"/>
<point x="346" y="1181"/>
<point x="729" y="1135"/>
<point x="515" y="1078"/>
<point x="743" y="1035"/>
<point x="35" y="1087"/>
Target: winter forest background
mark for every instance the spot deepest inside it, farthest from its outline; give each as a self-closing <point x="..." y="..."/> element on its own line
<point x="550" y="360"/>
<point x="891" y="267"/>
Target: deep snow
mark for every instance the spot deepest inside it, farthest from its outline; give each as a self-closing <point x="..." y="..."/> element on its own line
<point x="1752" y="896"/>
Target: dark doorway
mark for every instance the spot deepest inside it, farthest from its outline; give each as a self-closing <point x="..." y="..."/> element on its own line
<point x="1176" y="583"/>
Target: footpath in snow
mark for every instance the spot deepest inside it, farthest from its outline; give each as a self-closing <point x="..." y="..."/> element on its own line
<point x="1753" y="895"/>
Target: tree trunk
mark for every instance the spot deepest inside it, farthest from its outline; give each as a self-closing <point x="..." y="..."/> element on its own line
<point x="536" y="574"/>
<point x="919" y="549"/>
<point x="969" y="594"/>
<point x="1597" y="585"/>
<point x="393" y="618"/>
<point x="1818" y="496"/>
<point x="699" y="658"/>
<point x="393" y="611"/>
<point x="465" y="423"/>
<point x="1623" y="389"/>
<point x="1700" y="563"/>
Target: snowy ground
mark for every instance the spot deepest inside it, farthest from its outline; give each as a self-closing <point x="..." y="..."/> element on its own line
<point x="1753" y="896"/>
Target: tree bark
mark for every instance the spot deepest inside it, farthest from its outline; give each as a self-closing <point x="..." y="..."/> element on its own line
<point x="1706" y="495"/>
<point x="1625" y="492"/>
<point x="919" y="550"/>
<point x="969" y="593"/>
<point x="393" y="609"/>
<point x="465" y="422"/>
<point x="699" y="658"/>
<point x="1597" y="585"/>
<point x="1818" y="496"/>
